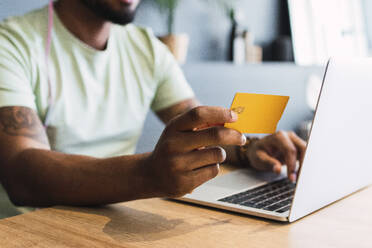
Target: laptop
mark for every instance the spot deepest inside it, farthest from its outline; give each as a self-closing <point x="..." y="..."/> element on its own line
<point x="337" y="162"/>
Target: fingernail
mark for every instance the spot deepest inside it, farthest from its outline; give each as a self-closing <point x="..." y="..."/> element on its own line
<point x="234" y="115"/>
<point x="223" y="154"/>
<point x="244" y="140"/>
<point x="293" y="177"/>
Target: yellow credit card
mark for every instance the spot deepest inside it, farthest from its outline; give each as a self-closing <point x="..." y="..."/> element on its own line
<point x="257" y="113"/>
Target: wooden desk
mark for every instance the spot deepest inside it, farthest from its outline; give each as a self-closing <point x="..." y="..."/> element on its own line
<point x="161" y="223"/>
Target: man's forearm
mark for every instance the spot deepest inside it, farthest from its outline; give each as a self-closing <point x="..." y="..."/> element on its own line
<point x="45" y="178"/>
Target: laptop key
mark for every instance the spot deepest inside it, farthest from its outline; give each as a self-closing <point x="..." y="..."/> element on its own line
<point x="251" y="204"/>
<point x="285" y="209"/>
<point x="271" y="207"/>
<point x="261" y="205"/>
<point x="278" y="205"/>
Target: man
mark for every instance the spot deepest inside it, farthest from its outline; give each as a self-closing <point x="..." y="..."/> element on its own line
<point x="106" y="75"/>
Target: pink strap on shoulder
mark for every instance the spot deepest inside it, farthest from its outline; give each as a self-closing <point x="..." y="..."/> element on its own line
<point x="47" y="55"/>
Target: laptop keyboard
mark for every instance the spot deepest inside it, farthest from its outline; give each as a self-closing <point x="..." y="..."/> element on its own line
<point x="275" y="196"/>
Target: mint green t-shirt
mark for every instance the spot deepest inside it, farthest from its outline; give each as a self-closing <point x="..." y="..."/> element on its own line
<point x="101" y="97"/>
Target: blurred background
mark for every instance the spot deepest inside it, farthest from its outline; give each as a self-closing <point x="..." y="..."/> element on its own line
<point x="256" y="46"/>
<point x="264" y="23"/>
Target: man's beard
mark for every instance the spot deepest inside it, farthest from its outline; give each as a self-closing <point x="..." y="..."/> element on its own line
<point x="103" y="10"/>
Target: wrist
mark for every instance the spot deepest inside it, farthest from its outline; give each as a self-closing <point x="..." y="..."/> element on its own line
<point x="147" y="179"/>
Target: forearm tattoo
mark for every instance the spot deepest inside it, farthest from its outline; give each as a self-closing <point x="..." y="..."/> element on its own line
<point x="22" y="121"/>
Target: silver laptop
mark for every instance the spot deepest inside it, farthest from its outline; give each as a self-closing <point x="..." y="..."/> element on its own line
<point x="337" y="161"/>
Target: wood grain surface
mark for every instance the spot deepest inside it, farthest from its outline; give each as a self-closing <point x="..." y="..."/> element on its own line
<point x="164" y="223"/>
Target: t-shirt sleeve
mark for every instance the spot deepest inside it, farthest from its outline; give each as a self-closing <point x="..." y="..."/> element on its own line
<point x="15" y="74"/>
<point x="172" y="85"/>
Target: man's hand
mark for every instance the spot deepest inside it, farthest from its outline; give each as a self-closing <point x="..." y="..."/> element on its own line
<point x="188" y="153"/>
<point x="274" y="151"/>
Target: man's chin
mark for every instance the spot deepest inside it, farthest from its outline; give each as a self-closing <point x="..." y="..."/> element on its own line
<point x="124" y="16"/>
<point x="120" y="19"/>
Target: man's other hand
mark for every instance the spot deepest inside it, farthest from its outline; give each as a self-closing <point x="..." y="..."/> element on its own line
<point x="189" y="151"/>
<point x="272" y="152"/>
